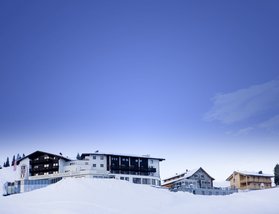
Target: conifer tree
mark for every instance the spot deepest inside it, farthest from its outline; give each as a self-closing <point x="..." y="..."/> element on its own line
<point x="7" y="162"/>
<point x="78" y="156"/>
<point x="276" y="174"/>
<point x="13" y="161"/>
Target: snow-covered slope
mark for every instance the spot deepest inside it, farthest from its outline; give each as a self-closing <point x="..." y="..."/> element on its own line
<point x="8" y="174"/>
<point x="90" y="196"/>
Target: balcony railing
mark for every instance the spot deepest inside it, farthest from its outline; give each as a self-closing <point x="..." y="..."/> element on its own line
<point x="133" y="168"/>
<point x="40" y="161"/>
<point x="255" y="180"/>
<point x="45" y="169"/>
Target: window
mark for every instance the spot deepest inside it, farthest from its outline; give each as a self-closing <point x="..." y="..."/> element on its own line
<point x="94" y="157"/>
<point x="137" y="180"/>
<point x="121" y="178"/>
<point x="151" y="161"/>
<point x="145" y="181"/>
<point x="94" y="165"/>
<point x="86" y="163"/>
<point x="102" y="157"/>
<point x="101" y="165"/>
<point x="153" y="182"/>
<point x="126" y="178"/>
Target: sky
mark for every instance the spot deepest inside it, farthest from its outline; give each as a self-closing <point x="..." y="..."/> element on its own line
<point x="194" y="82"/>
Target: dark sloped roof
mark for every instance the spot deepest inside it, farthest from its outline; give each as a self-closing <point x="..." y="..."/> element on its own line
<point x="36" y="153"/>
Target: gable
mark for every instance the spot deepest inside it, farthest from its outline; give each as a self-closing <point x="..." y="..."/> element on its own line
<point x="201" y="174"/>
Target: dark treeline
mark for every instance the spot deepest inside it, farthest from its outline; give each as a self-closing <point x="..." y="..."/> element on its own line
<point x="15" y="158"/>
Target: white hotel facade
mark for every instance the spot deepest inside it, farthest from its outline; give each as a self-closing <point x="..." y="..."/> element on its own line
<point x="40" y="169"/>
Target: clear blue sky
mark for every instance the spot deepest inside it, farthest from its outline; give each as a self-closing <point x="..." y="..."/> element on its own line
<point x="195" y="82"/>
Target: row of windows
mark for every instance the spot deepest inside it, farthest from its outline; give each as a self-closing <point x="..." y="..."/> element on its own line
<point x="45" y="165"/>
<point x="144" y="181"/>
<point x="46" y="173"/>
<point x="196" y="176"/>
<point x="101" y="157"/>
<point x="45" y="157"/>
<point x="127" y="160"/>
<point x="101" y="165"/>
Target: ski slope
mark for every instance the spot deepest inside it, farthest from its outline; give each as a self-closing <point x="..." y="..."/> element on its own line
<point x="100" y="196"/>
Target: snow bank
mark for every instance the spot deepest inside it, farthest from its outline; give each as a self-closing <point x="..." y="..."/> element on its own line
<point x="7" y="174"/>
<point x="87" y="196"/>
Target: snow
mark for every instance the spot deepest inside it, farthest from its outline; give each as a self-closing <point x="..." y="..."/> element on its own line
<point x="8" y="174"/>
<point x="254" y="174"/>
<point x="109" y="196"/>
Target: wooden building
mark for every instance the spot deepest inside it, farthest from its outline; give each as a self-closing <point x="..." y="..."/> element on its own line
<point x="250" y="180"/>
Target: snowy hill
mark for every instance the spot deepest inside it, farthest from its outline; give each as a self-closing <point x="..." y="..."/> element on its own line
<point x="8" y="174"/>
<point x="87" y="196"/>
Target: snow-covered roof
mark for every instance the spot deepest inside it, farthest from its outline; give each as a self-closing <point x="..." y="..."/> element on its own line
<point x="254" y="174"/>
<point x="123" y="155"/>
<point x="250" y="174"/>
<point x="184" y="175"/>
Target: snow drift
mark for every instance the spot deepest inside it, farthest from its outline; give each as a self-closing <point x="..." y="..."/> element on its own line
<point x="87" y="196"/>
